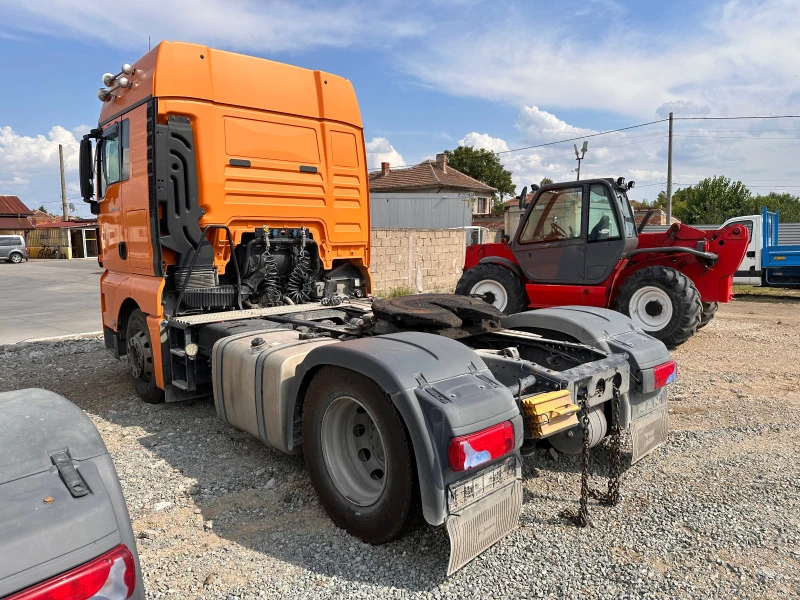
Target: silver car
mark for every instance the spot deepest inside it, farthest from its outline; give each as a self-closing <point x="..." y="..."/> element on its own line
<point x="13" y="248"/>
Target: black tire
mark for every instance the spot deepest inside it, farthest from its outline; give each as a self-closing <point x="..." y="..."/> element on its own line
<point x="15" y="257"/>
<point x="140" y="359"/>
<point x="386" y="518"/>
<point x="709" y="310"/>
<point x="517" y="299"/>
<point x="683" y="296"/>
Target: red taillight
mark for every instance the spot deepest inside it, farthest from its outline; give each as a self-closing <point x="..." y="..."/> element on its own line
<point x="664" y="374"/>
<point x="111" y="577"/>
<point x="469" y="451"/>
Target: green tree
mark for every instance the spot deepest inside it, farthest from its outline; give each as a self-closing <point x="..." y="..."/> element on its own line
<point x="483" y="165"/>
<point x="43" y="209"/>
<point x="712" y="200"/>
<point x="787" y="205"/>
<point x="545" y="181"/>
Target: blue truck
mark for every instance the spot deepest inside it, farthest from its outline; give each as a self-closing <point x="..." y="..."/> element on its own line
<point x="766" y="262"/>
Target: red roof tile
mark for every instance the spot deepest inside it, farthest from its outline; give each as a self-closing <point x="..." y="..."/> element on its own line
<point x="424" y="175"/>
<point x="15" y="223"/>
<point x="11" y="205"/>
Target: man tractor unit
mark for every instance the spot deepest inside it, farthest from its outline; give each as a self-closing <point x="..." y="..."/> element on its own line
<point x="233" y="207"/>
<point x="577" y="243"/>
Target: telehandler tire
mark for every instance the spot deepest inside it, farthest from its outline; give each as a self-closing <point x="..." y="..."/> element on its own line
<point x="358" y="455"/>
<point x="709" y="310"/>
<point x="140" y="359"/>
<point x="663" y="302"/>
<point x="498" y="286"/>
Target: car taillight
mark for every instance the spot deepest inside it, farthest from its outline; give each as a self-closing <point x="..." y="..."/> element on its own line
<point x="110" y="577"/>
<point x="475" y="449"/>
<point x="664" y="374"/>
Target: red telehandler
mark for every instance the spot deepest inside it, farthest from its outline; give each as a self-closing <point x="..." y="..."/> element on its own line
<point x="577" y="243"/>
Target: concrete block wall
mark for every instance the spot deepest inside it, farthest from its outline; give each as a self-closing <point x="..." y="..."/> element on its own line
<point x="424" y="260"/>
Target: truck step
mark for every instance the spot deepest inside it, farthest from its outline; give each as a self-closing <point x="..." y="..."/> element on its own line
<point x="180" y="384"/>
<point x="178" y="352"/>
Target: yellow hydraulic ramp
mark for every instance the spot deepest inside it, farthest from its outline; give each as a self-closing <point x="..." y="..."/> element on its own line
<point x="550" y="412"/>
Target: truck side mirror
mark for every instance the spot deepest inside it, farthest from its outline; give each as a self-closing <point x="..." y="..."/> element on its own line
<point x="86" y="170"/>
<point x="523" y="196"/>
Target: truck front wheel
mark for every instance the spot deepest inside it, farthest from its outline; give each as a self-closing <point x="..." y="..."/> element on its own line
<point x="358" y="455"/>
<point x="496" y="285"/>
<point x="140" y="359"/>
<point x="663" y="302"/>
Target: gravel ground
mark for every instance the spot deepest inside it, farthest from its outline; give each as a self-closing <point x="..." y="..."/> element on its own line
<point x="713" y="514"/>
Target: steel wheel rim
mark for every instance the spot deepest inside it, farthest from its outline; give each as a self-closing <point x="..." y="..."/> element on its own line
<point x="499" y="297"/>
<point x="650" y="308"/>
<point x="354" y="452"/>
<point x="140" y="356"/>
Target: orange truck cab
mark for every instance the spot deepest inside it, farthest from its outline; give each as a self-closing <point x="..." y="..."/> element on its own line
<point x="200" y="151"/>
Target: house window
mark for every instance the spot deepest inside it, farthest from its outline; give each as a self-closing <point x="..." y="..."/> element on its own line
<point x="481" y="210"/>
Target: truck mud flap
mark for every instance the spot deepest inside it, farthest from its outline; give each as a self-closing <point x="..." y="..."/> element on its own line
<point x="649" y="433"/>
<point x="482" y="524"/>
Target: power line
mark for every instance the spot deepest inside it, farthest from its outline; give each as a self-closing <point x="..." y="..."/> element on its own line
<point x="582" y="137"/>
<point x="736" y="118"/>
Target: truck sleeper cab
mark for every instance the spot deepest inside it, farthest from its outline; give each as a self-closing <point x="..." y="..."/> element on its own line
<point x="232" y="199"/>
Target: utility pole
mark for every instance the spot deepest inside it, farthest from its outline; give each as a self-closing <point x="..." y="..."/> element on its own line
<point x="669" y="174"/>
<point x="579" y="156"/>
<point x="65" y="208"/>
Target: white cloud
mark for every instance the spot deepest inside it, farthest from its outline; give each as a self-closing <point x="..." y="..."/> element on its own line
<point x="758" y="157"/>
<point x="739" y="57"/>
<point x="275" y="26"/>
<point x="29" y="165"/>
<point x="380" y="150"/>
<point x="483" y="141"/>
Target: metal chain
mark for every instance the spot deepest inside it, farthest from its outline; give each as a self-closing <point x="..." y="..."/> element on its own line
<point x="581" y="516"/>
<point x="612" y="496"/>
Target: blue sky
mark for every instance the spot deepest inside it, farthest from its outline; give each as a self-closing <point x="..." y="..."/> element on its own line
<point x="430" y="75"/>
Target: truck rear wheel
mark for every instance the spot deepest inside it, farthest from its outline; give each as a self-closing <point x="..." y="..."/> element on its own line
<point x="140" y="359"/>
<point x="663" y="302"/>
<point x="709" y="310"/>
<point x="358" y="455"/>
<point x="496" y="285"/>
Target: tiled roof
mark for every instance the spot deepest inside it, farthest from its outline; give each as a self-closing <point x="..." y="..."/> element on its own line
<point x="15" y="223"/>
<point x="424" y="175"/>
<point x="11" y="205"/>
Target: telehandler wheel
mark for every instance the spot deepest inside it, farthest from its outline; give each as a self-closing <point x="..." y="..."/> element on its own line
<point x="140" y="359"/>
<point x="663" y="302"/>
<point x="709" y="310"/>
<point x="496" y="285"/>
<point x="358" y="455"/>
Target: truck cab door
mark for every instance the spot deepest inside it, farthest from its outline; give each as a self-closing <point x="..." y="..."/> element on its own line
<point x="550" y="242"/>
<point x="749" y="271"/>
<point x="610" y="231"/>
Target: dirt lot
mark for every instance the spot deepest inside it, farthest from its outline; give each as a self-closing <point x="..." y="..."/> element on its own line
<point x="713" y="514"/>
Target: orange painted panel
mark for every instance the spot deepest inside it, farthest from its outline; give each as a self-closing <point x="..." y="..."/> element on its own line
<point x="251" y="138"/>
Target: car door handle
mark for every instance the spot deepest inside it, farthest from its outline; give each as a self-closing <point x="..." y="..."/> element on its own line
<point x="751" y="254"/>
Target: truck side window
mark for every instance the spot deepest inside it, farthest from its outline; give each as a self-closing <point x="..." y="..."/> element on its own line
<point x="115" y="160"/>
<point x="602" y="216"/>
<point x="555" y="216"/>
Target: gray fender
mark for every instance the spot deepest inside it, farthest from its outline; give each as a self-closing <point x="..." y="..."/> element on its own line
<point x="504" y="262"/>
<point x="440" y="387"/>
<point x="606" y="330"/>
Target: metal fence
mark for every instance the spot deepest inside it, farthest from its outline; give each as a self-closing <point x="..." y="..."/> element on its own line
<point x="420" y="211"/>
